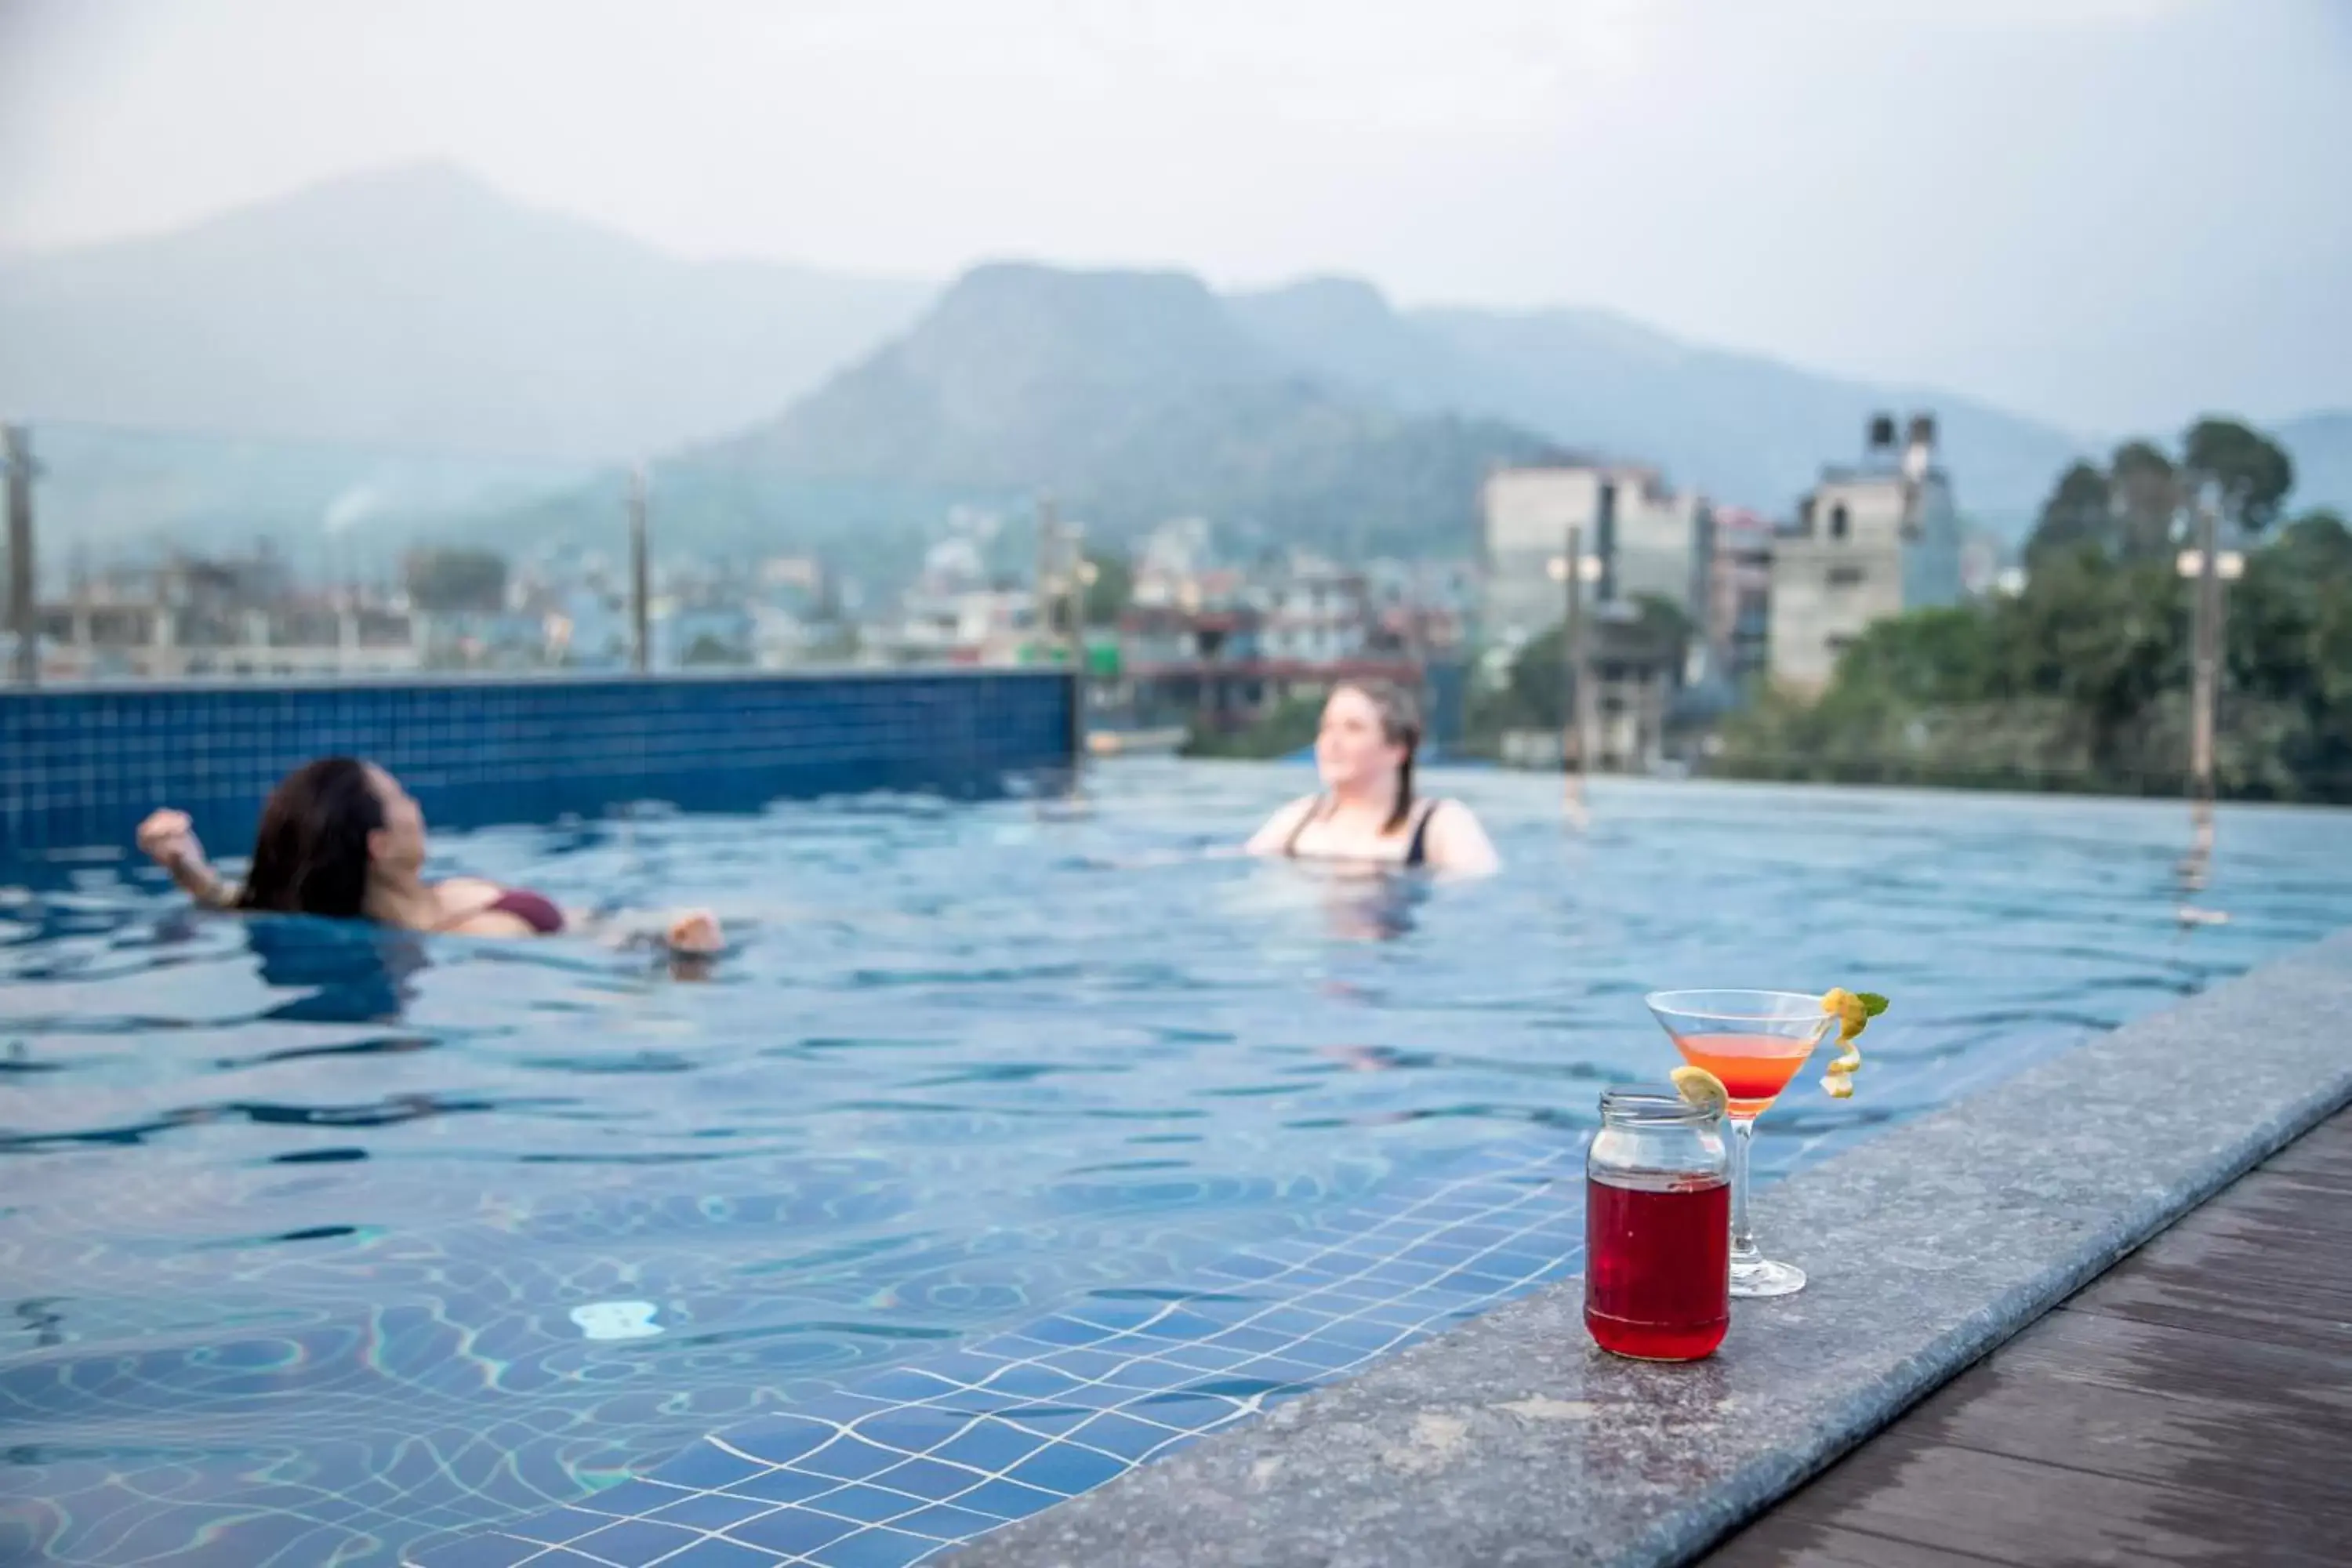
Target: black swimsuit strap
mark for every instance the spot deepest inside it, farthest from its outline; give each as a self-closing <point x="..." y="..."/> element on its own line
<point x="1417" y="853"/>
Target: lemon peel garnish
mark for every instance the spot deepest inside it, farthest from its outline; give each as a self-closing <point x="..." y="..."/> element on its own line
<point x="1854" y="1011"/>
<point x="1701" y="1088"/>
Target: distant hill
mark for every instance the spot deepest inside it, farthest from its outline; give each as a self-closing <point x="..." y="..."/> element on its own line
<point x="1135" y="397"/>
<point x="411" y="352"/>
<point x="419" y="309"/>
<point x="1741" y="428"/>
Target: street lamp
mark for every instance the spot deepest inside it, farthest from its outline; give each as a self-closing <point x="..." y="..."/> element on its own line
<point x="2228" y="564"/>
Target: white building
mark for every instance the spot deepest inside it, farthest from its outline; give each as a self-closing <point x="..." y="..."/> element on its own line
<point x="1647" y="539"/>
<point x="1315" y="611"/>
<point x="1869" y="543"/>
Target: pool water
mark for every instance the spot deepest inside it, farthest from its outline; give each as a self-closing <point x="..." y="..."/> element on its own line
<point x="323" y="1244"/>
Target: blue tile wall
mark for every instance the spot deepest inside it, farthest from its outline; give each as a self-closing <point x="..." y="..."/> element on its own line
<point x="80" y="767"/>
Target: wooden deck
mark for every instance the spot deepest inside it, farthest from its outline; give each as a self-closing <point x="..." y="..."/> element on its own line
<point x="2193" y="1405"/>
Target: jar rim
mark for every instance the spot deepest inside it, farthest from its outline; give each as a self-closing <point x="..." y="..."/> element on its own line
<point x="1651" y="1105"/>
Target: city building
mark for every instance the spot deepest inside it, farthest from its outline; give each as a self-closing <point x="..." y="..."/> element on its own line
<point x="191" y="617"/>
<point x="1869" y="541"/>
<point x="1315" y="610"/>
<point x="1647" y="541"/>
<point x="1738" y="625"/>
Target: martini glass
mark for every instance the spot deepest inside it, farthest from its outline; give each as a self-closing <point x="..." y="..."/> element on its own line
<point x="1754" y="1041"/>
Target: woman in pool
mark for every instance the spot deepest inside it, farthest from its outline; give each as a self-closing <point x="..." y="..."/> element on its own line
<point x="340" y="839"/>
<point x="1367" y="812"/>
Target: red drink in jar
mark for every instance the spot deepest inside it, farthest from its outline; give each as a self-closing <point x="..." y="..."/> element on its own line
<point x="1657" y="1228"/>
<point x="1657" y="1268"/>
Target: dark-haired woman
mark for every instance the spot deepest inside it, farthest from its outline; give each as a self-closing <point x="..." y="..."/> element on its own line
<point x="340" y="839"/>
<point x="1367" y="812"/>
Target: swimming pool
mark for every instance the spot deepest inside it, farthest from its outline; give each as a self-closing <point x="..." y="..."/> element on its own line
<point x="322" y="1246"/>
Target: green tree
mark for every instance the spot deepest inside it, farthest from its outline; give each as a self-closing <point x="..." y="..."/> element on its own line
<point x="1283" y="728"/>
<point x="2251" y="473"/>
<point x="2318" y="544"/>
<point x="2082" y="680"/>
<point x="2078" y="515"/>
<point x="456" y="581"/>
<point x="1112" y="588"/>
<point x="2145" y="496"/>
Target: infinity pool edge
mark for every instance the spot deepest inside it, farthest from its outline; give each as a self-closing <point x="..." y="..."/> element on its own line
<point x="1513" y="1439"/>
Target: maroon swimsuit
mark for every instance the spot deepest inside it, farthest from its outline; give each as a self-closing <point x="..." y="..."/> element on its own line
<point x="534" y="909"/>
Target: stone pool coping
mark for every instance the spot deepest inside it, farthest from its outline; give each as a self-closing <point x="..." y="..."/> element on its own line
<point x="1513" y="1440"/>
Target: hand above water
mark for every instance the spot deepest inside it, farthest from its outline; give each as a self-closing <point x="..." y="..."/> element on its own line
<point x="169" y="838"/>
<point x="697" y="932"/>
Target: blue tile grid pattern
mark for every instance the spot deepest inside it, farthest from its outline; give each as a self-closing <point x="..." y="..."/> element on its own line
<point x="80" y="767"/>
<point x="927" y="1456"/>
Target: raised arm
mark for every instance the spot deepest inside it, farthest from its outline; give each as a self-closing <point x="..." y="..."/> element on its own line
<point x="1277" y="833"/>
<point x="169" y="838"/>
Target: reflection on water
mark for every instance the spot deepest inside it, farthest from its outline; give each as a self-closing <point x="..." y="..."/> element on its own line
<point x="338" y="972"/>
<point x="295" y="1217"/>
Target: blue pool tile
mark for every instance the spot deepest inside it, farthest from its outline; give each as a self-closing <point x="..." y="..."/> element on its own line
<point x="848" y="1459"/>
<point x="1063" y="1328"/>
<point x="633" y="1499"/>
<point x="1031" y="1382"/>
<point x="1004" y="1499"/>
<point x="792" y="1531"/>
<point x="946" y="1522"/>
<point x="706" y="1464"/>
<point x="711" y="1510"/>
<point x="919" y="1448"/>
<point x="781" y="1440"/>
<point x="990" y="1447"/>
<point x="931" y="1479"/>
<point x="558" y="1526"/>
<point x="870" y="1504"/>
<point x="874" y="1549"/>
<point x="912" y="1429"/>
<point x="483" y="1551"/>
<point x="718" y="1553"/>
<point x="1122" y="1436"/>
<point x="634" y="1541"/>
<point x="1066" y="1470"/>
<point x="781" y="1486"/>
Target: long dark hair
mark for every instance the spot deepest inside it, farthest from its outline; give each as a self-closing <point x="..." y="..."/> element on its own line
<point x="310" y="856"/>
<point x="1399" y="726"/>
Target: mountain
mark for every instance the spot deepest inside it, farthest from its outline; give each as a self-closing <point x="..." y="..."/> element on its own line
<point x="1740" y="427"/>
<point x="412" y="352"/>
<point x="417" y="309"/>
<point x="1134" y="397"/>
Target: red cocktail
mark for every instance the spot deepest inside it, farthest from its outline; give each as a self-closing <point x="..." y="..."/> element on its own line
<point x="1753" y="1068"/>
<point x="1753" y="1042"/>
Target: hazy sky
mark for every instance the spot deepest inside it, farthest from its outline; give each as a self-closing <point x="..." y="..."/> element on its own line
<point x="2108" y="211"/>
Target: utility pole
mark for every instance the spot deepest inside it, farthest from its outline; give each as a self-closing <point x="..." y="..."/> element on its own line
<point x="1577" y="668"/>
<point x="23" y="616"/>
<point x="1077" y="600"/>
<point x="2205" y="693"/>
<point x="640" y="576"/>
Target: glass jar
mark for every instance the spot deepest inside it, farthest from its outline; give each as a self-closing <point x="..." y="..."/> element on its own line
<point x="1657" y="1226"/>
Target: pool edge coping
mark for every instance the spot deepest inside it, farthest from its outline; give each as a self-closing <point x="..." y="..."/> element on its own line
<point x="1512" y="1439"/>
